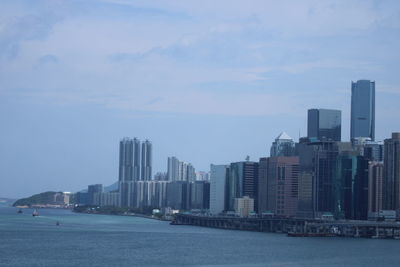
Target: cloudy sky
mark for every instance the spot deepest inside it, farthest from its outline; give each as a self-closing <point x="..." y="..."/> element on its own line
<point x="206" y="81"/>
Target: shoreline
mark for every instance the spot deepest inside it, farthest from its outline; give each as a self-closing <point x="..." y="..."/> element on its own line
<point x="127" y="215"/>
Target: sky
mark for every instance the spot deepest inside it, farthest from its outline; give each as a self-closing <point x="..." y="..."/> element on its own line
<point x="205" y="81"/>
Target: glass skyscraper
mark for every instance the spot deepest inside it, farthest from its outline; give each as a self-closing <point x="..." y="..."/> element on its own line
<point x="324" y="124"/>
<point x="362" y="109"/>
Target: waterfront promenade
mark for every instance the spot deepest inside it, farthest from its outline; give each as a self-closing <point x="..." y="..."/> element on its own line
<point x="295" y="226"/>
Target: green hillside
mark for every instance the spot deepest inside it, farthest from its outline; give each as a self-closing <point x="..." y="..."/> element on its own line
<point x="42" y="198"/>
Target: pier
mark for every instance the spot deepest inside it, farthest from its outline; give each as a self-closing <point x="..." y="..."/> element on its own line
<point x="295" y="226"/>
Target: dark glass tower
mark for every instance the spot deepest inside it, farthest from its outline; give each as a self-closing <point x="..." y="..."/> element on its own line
<point x="391" y="173"/>
<point x="362" y="109"/>
<point x="324" y="124"/>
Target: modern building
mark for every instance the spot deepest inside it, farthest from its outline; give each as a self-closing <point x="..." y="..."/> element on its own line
<point x="282" y="185"/>
<point x="127" y="193"/>
<point x="244" y="206"/>
<point x="200" y="195"/>
<point x="129" y="159"/>
<point x="110" y="199"/>
<point x="173" y="169"/>
<point x="202" y="176"/>
<point x="146" y="164"/>
<point x="241" y="181"/>
<point x="362" y="109"/>
<point x="178" y="195"/>
<point x="372" y="150"/>
<point x="375" y="188"/>
<point x="318" y="176"/>
<point x="324" y="124"/>
<point x="351" y="186"/>
<point x="161" y="176"/>
<point x="92" y="190"/>
<point x="180" y="171"/>
<point x="391" y="173"/>
<point x="262" y="194"/>
<point x="218" y="176"/>
<point x="283" y="146"/>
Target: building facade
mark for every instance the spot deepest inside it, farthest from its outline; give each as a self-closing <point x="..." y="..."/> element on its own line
<point x="241" y="181"/>
<point x="375" y="188"/>
<point x="324" y="124"/>
<point x="391" y="173"/>
<point x="282" y="185"/>
<point x="218" y="176"/>
<point x="173" y="169"/>
<point x="244" y="206"/>
<point x="146" y="161"/>
<point x="362" y="109"/>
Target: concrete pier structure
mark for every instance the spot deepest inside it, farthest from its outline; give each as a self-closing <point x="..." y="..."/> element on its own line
<point x="295" y="226"/>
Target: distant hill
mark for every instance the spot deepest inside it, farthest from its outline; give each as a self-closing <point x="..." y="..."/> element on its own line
<point x="112" y="187"/>
<point x="6" y="201"/>
<point x="38" y="199"/>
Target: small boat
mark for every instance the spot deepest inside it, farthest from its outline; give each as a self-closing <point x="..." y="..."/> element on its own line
<point x="35" y="213"/>
<point x="19" y="211"/>
<point x="58" y="223"/>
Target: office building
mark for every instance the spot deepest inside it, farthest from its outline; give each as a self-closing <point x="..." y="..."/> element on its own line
<point x="244" y="206"/>
<point x="146" y="164"/>
<point x="375" y="188"/>
<point x="282" y="185"/>
<point x="391" y="173"/>
<point x="351" y="186"/>
<point x="178" y="195"/>
<point x="200" y="195"/>
<point x="218" y="176"/>
<point x="92" y="190"/>
<point x="241" y="181"/>
<point x="362" y="109"/>
<point x="283" y="146"/>
<point x="318" y="178"/>
<point x="370" y="149"/>
<point x="324" y="124"/>
<point x="262" y="194"/>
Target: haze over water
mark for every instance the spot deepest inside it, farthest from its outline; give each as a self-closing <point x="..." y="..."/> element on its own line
<point x="102" y="240"/>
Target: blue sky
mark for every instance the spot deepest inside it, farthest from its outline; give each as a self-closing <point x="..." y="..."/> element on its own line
<point x="206" y="81"/>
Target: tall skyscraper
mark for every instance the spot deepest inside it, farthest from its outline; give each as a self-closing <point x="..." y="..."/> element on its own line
<point x="324" y="124"/>
<point x="362" y="109"/>
<point x="283" y="146"/>
<point x="351" y="186"/>
<point x="217" y="188"/>
<point x="262" y="205"/>
<point x="146" y="166"/>
<point x="318" y="176"/>
<point x="173" y="169"/>
<point x="375" y="188"/>
<point x="129" y="158"/>
<point x="391" y="173"/>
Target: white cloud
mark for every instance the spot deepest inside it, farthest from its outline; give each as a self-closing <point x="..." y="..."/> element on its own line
<point x="170" y="51"/>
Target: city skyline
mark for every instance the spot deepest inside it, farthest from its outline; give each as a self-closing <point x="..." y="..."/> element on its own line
<point x="204" y="82"/>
